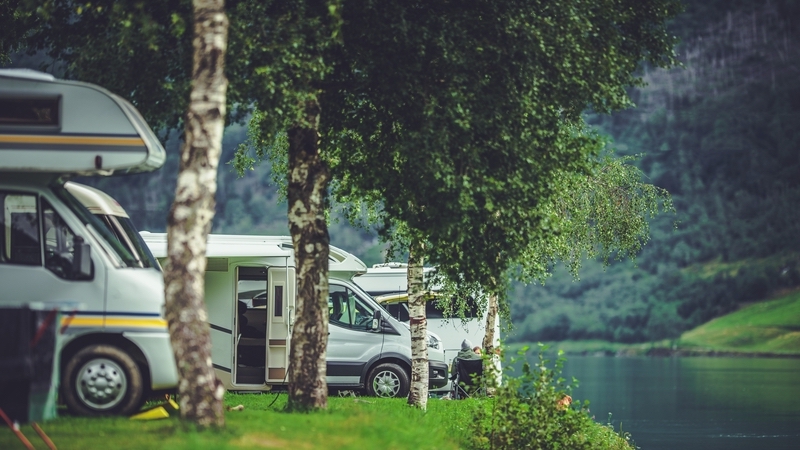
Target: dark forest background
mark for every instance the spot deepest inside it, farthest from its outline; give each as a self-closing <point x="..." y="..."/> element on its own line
<point x="721" y="134"/>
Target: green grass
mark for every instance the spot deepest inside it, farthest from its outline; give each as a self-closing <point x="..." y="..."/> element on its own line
<point x="766" y="327"/>
<point x="349" y="423"/>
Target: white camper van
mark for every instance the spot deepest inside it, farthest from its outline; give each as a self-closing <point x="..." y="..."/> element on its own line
<point x="53" y="251"/>
<point x="250" y="294"/>
<point x="388" y="283"/>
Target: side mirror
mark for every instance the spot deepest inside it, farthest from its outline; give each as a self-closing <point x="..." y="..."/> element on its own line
<point x="82" y="261"/>
<point x="376" y="320"/>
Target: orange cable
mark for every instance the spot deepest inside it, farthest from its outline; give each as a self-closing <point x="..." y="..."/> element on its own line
<point x="16" y="431"/>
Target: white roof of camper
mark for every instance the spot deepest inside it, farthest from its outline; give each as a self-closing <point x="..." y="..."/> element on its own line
<point x="69" y="127"/>
<point x="244" y="246"/>
<point x="228" y="246"/>
<point x="391" y="277"/>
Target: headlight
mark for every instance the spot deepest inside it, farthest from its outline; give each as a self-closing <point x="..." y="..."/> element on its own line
<point x="433" y="342"/>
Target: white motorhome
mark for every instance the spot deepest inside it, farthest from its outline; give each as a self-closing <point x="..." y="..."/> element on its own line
<point x="115" y="349"/>
<point x="388" y="283"/>
<point x="250" y="295"/>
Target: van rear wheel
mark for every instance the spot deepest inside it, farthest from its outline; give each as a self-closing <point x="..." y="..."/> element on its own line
<point x="388" y="380"/>
<point x="102" y="380"/>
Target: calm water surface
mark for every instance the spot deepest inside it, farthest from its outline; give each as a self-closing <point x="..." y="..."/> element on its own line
<point x="694" y="403"/>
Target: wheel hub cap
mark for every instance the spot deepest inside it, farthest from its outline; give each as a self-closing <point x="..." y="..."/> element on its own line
<point x="101" y="383"/>
<point x="386" y="384"/>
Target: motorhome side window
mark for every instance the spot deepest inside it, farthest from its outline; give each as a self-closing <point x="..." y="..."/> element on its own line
<point x="347" y="310"/>
<point x="20" y="224"/>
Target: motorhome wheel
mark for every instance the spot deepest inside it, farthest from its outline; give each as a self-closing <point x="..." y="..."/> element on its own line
<point x="388" y="380"/>
<point x="102" y="380"/>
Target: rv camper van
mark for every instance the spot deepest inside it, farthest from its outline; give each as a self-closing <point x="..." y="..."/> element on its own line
<point x="54" y="252"/>
<point x="388" y="283"/>
<point x="250" y="295"/>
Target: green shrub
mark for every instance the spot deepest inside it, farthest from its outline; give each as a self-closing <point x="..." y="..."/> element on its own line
<point x="527" y="412"/>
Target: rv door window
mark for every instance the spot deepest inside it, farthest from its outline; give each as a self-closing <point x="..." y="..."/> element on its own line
<point x="20" y="224"/>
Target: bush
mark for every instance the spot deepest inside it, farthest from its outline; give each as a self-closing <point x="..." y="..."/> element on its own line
<point x="534" y="411"/>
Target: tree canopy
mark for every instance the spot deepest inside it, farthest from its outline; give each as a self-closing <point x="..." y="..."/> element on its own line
<point x="463" y="118"/>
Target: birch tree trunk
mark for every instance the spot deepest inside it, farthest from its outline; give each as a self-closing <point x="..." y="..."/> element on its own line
<point x="308" y="182"/>
<point x="491" y="322"/>
<point x="200" y="393"/>
<point x="492" y="363"/>
<point x="418" y="396"/>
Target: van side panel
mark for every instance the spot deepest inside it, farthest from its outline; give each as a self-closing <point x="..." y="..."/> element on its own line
<point x="349" y="352"/>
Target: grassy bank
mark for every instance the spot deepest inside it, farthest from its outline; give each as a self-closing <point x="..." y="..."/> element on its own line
<point x="767" y="328"/>
<point x="349" y="423"/>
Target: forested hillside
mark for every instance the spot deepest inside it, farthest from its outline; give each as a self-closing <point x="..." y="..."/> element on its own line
<point x="721" y="134"/>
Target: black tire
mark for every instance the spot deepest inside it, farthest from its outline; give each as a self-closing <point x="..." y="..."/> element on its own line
<point x="102" y="380"/>
<point x="388" y="380"/>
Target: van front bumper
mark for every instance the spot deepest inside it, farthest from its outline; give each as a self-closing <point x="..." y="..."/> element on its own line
<point x="437" y="374"/>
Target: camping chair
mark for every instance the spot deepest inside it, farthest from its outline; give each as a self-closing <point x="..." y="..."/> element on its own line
<point x="468" y="378"/>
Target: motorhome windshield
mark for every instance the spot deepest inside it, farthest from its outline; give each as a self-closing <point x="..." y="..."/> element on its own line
<point x="127" y="234"/>
<point x="102" y="230"/>
<point x="147" y="258"/>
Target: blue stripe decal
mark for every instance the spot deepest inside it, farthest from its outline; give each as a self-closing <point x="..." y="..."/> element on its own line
<point x="101" y="313"/>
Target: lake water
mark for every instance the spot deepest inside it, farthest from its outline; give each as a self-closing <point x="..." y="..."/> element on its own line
<point x="694" y="403"/>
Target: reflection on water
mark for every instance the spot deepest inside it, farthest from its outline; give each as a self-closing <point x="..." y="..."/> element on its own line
<point x="694" y="403"/>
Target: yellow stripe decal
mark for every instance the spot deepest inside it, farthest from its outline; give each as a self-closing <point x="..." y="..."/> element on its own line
<point x="82" y="321"/>
<point x="71" y="140"/>
<point x="112" y="322"/>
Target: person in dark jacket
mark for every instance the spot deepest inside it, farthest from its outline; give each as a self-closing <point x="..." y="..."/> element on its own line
<point x="467" y="351"/>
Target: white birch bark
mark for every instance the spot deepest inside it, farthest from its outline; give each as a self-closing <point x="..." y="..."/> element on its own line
<point x="491" y="321"/>
<point x="308" y="182"/>
<point x="189" y="221"/>
<point x="418" y="396"/>
<point x="492" y="363"/>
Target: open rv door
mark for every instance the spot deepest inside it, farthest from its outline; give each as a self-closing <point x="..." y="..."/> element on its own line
<point x="280" y="305"/>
